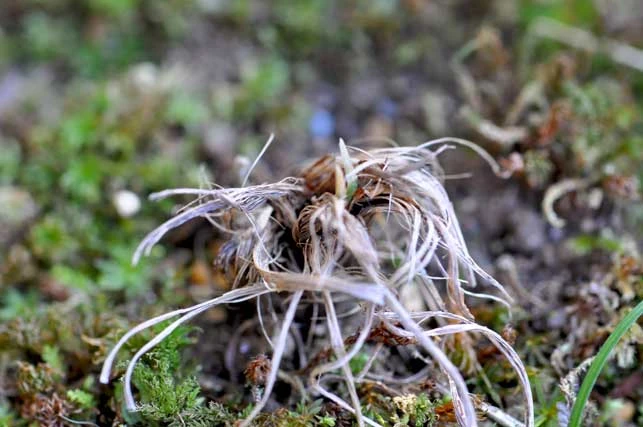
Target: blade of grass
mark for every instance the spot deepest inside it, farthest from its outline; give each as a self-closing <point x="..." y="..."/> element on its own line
<point x="598" y="363"/>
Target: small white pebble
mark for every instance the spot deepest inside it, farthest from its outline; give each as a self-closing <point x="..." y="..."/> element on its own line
<point x="126" y="203"/>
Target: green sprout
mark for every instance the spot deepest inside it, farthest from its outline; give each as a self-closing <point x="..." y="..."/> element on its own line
<point x="597" y="365"/>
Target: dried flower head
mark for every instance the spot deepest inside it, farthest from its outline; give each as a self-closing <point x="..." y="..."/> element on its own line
<point x="257" y="370"/>
<point x="358" y="226"/>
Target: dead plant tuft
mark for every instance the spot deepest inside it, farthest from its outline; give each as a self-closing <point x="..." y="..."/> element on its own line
<point x="359" y="227"/>
<point x="257" y="370"/>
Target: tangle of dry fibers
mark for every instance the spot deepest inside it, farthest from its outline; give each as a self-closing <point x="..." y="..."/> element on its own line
<point x="358" y="226"/>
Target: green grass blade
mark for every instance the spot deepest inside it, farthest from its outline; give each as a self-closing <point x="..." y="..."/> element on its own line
<point x="598" y="363"/>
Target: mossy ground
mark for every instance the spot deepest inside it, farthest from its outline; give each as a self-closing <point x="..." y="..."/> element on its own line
<point x="99" y="97"/>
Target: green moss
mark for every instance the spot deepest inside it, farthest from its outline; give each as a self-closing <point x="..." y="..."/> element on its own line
<point x="575" y="12"/>
<point x="84" y="399"/>
<point x="185" y="110"/>
<point x="586" y="243"/>
<point x="50" y="239"/>
<point x="52" y="357"/>
<point x="414" y="410"/>
<point x="263" y="84"/>
<point x="16" y="304"/>
<point x="7" y="417"/>
<point x="358" y="362"/>
<point x="81" y="36"/>
<point x="168" y="390"/>
<point x="34" y="379"/>
<point x="116" y="271"/>
<point x="9" y="161"/>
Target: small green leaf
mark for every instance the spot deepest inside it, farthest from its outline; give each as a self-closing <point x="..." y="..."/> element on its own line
<point x="82" y="398"/>
<point x="51" y="356"/>
<point x="83" y="178"/>
<point x="71" y="278"/>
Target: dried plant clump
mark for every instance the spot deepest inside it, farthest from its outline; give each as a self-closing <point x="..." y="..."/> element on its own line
<point x="256" y="371"/>
<point x="359" y="227"/>
<point x="48" y="411"/>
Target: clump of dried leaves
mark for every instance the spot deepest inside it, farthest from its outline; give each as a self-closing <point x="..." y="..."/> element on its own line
<point x="358" y="227"/>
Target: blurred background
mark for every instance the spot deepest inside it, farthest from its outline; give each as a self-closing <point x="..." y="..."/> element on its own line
<point x="104" y="101"/>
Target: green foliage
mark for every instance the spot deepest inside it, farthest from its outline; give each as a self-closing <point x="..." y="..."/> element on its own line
<point x="415" y="410"/>
<point x="600" y="141"/>
<point x="597" y="135"/>
<point x="79" y="336"/>
<point x="301" y="28"/>
<point x="81" y="36"/>
<point x="117" y="272"/>
<point x="185" y="110"/>
<point x="306" y="414"/>
<point x="52" y="357"/>
<point x="538" y="168"/>
<point x="102" y="137"/>
<point x="113" y="8"/>
<point x="163" y="393"/>
<point x="263" y="84"/>
<point x="169" y="395"/>
<point x="423" y="411"/>
<point x="9" y="161"/>
<point x="603" y="355"/>
<point x="45" y="36"/>
<point x="166" y="397"/>
<point x="326" y="421"/>
<point x="546" y="406"/>
<point x="50" y="239"/>
<point x="576" y="12"/>
<point x="358" y="362"/>
<point x="586" y="243"/>
<point x="72" y="278"/>
<point x="606" y="121"/>
<point x="309" y="16"/>
<point x="405" y="410"/>
<point x="7" y="417"/>
<point x="82" y="179"/>
<point x="16" y="304"/>
<point x="82" y="398"/>
<point x="75" y="167"/>
<point x="34" y="379"/>
<point x="213" y="414"/>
